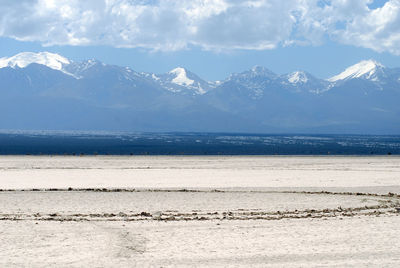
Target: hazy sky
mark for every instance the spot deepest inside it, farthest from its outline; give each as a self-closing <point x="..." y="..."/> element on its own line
<point x="210" y="37"/>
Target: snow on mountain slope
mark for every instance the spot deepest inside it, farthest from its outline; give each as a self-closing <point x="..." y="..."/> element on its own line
<point x="180" y="80"/>
<point x="80" y="69"/>
<point x="297" y="77"/>
<point x="301" y="81"/>
<point x="256" y="75"/>
<point x="181" y="77"/>
<point x="251" y="83"/>
<point x="21" y="60"/>
<point x="367" y="69"/>
<point x="84" y="65"/>
<point x="256" y="72"/>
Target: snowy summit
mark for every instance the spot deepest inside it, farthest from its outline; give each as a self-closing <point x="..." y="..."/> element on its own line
<point x="297" y="77"/>
<point x="181" y="77"/>
<point x="22" y="60"/>
<point x="364" y="69"/>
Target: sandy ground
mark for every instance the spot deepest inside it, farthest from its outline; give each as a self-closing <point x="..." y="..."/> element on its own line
<point x="234" y="212"/>
<point x="19" y="172"/>
<point x="350" y="242"/>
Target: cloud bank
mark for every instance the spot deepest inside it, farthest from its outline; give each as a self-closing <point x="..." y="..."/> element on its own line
<point x="209" y="24"/>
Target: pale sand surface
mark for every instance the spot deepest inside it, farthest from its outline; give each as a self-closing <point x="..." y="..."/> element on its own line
<point x="350" y="242"/>
<point x="136" y="202"/>
<point x="320" y="172"/>
<point x="250" y="221"/>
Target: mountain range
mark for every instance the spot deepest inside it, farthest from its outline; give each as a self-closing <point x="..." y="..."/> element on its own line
<point x="47" y="91"/>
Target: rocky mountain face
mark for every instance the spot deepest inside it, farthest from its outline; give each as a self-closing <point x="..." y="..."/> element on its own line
<point x="47" y="91"/>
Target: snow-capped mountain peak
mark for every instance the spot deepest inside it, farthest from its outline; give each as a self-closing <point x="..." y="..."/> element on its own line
<point x="181" y="77"/>
<point x="183" y="81"/>
<point x="257" y="72"/>
<point x="22" y="60"/>
<point x="297" y="77"/>
<point x="261" y="71"/>
<point x="365" y="69"/>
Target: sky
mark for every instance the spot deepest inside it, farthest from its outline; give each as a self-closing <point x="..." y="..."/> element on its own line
<point x="212" y="38"/>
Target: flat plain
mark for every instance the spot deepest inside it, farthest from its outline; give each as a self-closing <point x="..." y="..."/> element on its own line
<point x="124" y="211"/>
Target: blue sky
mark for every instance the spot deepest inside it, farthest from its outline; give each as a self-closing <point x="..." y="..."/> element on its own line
<point x="212" y="38"/>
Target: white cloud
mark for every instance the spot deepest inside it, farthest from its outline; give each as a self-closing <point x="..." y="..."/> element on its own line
<point x="209" y="24"/>
<point x="378" y="29"/>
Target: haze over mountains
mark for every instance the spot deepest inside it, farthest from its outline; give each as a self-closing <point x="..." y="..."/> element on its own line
<point x="47" y="91"/>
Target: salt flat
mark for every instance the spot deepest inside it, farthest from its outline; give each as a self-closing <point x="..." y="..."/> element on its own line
<point x="199" y="211"/>
<point x="378" y="173"/>
<point x="348" y="242"/>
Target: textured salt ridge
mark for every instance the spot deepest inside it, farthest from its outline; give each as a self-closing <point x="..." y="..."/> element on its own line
<point x="389" y="204"/>
<point x="387" y="209"/>
<point x="389" y="194"/>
